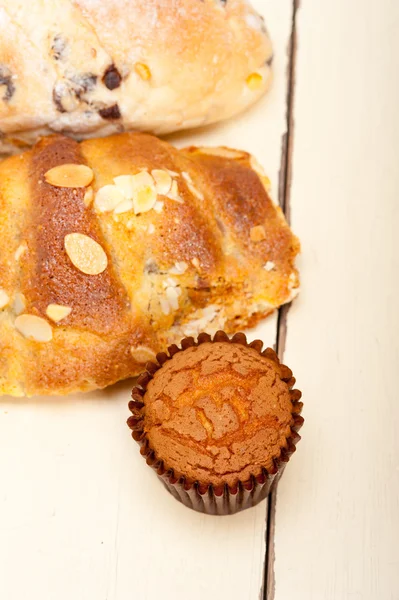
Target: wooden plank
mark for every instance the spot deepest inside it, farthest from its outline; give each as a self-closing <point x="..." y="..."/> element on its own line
<point x="337" y="513"/>
<point x="284" y="199"/>
<point x="81" y="515"/>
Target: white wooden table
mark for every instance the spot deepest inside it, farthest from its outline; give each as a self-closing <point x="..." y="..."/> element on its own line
<point x="83" y="518"/>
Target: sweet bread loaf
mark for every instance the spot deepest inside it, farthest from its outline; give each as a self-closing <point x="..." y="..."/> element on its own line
<point x="115" y="247"/>
<point x="93" y="67"/>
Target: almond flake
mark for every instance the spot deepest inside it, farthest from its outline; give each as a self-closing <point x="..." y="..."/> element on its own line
<point x="257" y="234"/>
<point x="172" y="297"/>
<point x="108" y="198"/>
<point x="187" y="177"/>
<point x="19" y="303"/>
<point x="124" y="206"/>
<point x="85" y="253"/>
<point x="158" y="206"/>
<point x="163" y="181"/>
<point x="179" y="268"/>
<point x="140" y="188"/>
<point x="172" y="173"/>
<point x="269" y="266"/>
<point x="142" y="354"/>
<point x="34" y="328"/>
<point x="125" y="185"/>
<point x="174" y="193"/>
<point x="57" y="312"/>
<point x="69" y="175"/>
<point x="88" y="197"/>
<point x="222" y="151"/>
<point x="191" y="186"/>
<point x="150" y="228"/>
<point x="145" y="199"/>
<point x="4" y="299"/>
<point x="20" y="250"/>
<point x="142" y="179"/>
<point x="254" y="81"/>
<point x="195" y="191"/>
<point x="196" y="263"/>
<point x="169" y="281"/>
<point x="165" y="307"/>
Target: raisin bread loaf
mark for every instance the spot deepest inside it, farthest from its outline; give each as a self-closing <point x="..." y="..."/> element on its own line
<point x="113" y="248"/>
<point x="94" y="67"/>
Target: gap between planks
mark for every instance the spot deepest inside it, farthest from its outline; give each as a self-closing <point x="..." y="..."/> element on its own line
<point x="285" y="177"/>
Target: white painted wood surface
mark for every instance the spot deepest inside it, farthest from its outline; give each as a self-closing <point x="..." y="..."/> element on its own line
<point x="337" y="520"/>
<point x="81" y="515"/>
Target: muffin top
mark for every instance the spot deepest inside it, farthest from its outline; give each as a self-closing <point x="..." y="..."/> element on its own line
<point x="218" y="412"/>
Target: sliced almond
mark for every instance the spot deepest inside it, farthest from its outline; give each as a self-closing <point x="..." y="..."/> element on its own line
<point x="191" y="186"/>
<point x="179" y="268"/>
<point x="108" y="198"/>
<point x="158" y="206"/>
<point x="222" y="151"/>
<point x="34" y="328"/>
<point x="125" y="185"/>
<point x="169" y="281"/>
<point x="69" y="175"/>
<point x="151" y="228"/>
<point x="142" y="354"/>
<point x="254" y="81"/>
<point x="144" y="200"/>
<point x="85" y="253"/>
<point x="196" y="263"/>
<point x="257" y="233"/>
<point x="4" y="299"/>
<point x="269" y="266"/>
<point x="187" y="177"/>
<point x="57" y="312"/>
<point x="172" y="296"/>
<point x="172" y="173"/>
<point x="141" y="189"/>
<point x="165" y="306"/>
<point x="142" y="179"/>
<point x="19" y="303"/>
<point x="124" y="206"/>
<point x="174" y="193"/>
<point x="163" y="181"/>
<point x="20" y="250"/>
<point x="88" y="197"/>
<point x="195" y="191"/>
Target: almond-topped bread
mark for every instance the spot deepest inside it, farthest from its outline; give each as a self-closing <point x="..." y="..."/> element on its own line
<point x="95" y="67"/>
<point x="115" y="247"/>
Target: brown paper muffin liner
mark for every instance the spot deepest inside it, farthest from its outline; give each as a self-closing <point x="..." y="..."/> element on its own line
<point x="203" y="497"/>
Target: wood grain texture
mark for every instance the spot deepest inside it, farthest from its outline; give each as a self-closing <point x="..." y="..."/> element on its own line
<point x="337" y="513"/>
<point x="81" y="515"/>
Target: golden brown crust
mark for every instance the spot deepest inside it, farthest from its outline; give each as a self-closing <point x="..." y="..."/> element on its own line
<point x="218" y="413"/>
<point x="216" y="254"/>
<point x="99" y="303"/>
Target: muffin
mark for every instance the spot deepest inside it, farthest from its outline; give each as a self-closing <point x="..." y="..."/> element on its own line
<point x="218" y="420"/>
